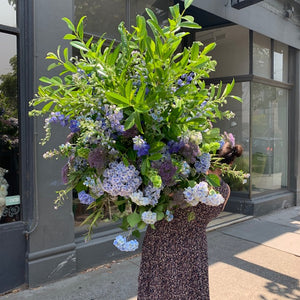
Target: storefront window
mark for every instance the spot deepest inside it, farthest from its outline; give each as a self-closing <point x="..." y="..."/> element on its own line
<point x="269" y="108"/>
<point x="9" y="132"/>
<point x="231" y="52"/>
<point x="239" y="127"/>
<point x="261" y="55"/>
<point x="8" y="13"/>
<point x="102" y="16"/>
<point x="280" y="57"/>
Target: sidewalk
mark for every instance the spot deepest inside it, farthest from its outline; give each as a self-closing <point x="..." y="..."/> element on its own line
<point x="256" y="259"/>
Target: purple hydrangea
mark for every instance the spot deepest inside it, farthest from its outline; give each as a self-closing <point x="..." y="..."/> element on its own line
<point x="203" y="164"/>
<point x="85" y="198"/>
<point x="167" y="171"/>
<point x="141" y="146"/>
<point x="190" y="151"/>
<point x="98" y="158"/>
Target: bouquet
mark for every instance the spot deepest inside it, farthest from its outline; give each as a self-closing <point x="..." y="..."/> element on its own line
<point x="140" y="118"/>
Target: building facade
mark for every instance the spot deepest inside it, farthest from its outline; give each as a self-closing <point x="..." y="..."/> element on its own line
<point x="257" y="45"/>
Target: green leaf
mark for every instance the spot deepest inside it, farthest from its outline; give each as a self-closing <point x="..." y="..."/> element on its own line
<point x="133" y="219"/>
<point x="187" y="3"/>
<point x="66" y="54"/>
<point x="80" y="27"/>
<point x="130" y="121"/>
<point x="79" y="45"/>
<point x="117" y="99"/>
<point x="151" y="15"/>
<point x="138" y="122"/>
<point x="156" y="146"/>
<point x="190" y="25"/>
<point x="175" y="12"/>
<point x="191" y="216"/>
<point x="155" y="156"/>
<point x="237" y="98"/>
<point x="136" y="233"/>
<point x="69" y="36"/>
<point x="69" y="23"/>
<point x="208" y="48"/>
<point x="159" y="215"/>
<point x="228" y="89"/>
<point x="70" y="67"/>
<point x="46" y="80"/>
<point x="213" y="180"/>
<point x="52" y="66"/>
<point x="195" y="51"/>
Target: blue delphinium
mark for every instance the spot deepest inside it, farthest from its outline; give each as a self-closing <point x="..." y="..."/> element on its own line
<point x="202" y="165"/>
<point x="122" y="244"/>
<point x="58" y="117"/>
<point x="149" y="217"/>
<point x="74" y="126"/>
<point x="85" y="198"/>
<point x="141" y="146"/>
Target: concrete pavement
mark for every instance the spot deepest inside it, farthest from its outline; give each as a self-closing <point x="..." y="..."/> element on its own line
<point x="256" y="259"/>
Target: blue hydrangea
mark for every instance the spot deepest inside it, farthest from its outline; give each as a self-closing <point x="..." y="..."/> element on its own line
<point x="153" y="194"/>
<point x="186" y="169"/>
<point x="141" y="146"/>
<point x="85" y="198"/>
<point x="202" y="165"/>
<point x="95" y="186"/>
<point x="174" y="147"/>
<point x="149" y="217"/>
<point x="214" y="199"/>
<point x="139" y="199"/>
<point x="122" y="244"/>
<point x="120" y="180"/>
<point x="196" y="194"/>
<point x="169" y="216"/>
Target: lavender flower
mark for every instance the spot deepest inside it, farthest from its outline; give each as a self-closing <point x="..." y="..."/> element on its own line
<point x="85" y="198"/>
<point x="174" y="147"/>
<point x="167" y="171"/>
<point x="140" y="146"/>
<point x="203" y="164"/>
<point x="98" y="158"/>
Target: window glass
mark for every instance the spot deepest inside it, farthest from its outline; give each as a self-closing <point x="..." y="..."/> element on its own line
<point x="280" y="57"/>
<point x="239" y="127"/>
<point x="102" y="16"/>
<point x="160" y="8"/>
<point x="9" y="133"/>
<point x="231" y="52"/>
<point x="8" y="13"/>
<point x="269" y="138"/>
<point x="261" y="55"/>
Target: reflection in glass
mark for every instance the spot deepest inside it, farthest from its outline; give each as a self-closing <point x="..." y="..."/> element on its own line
<point x="102" y="16"/>
<point x="231" y="52"/>
<point x="261" y="55"/>
<point x="9" y="129"/>
<point x="160" y="8"/>
<point x="269" y="138"/>
<point x="280" y="57"/>
<point x="239" y="127"/>
<point x="8" y="13"/>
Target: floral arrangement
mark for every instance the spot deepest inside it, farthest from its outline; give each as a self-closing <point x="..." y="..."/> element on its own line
<point x="141" y="121"/>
